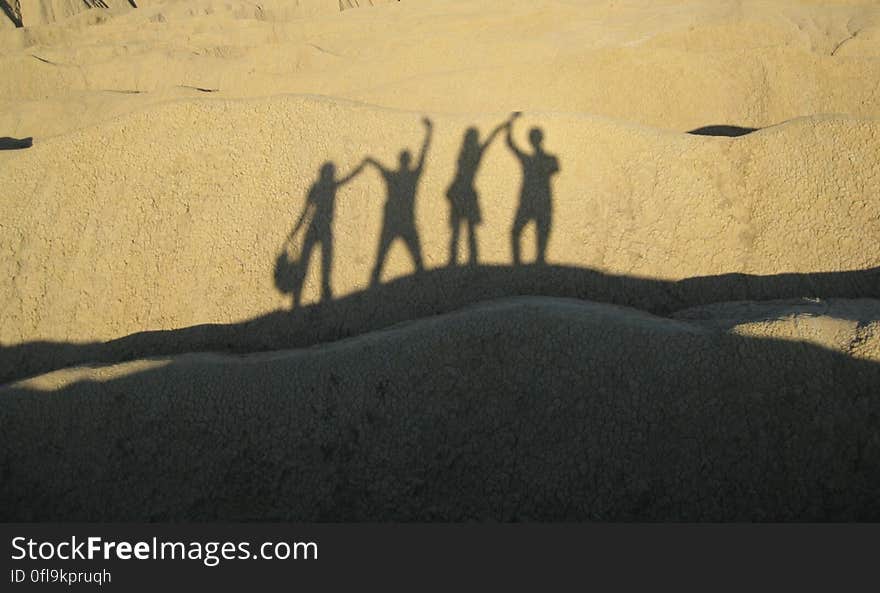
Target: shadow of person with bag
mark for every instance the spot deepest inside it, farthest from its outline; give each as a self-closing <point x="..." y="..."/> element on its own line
<point x="317" y="219"/>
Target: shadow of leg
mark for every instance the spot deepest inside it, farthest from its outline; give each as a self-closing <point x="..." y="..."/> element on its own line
<point x="326" y="263"/>
<point x="412" y="242"/>
<point x="515" y="233"/>
<point x="384" y="244"/>
<point x="453" y="242"/>
<point x="472" y="243"/>
<point x="542" y="227"/>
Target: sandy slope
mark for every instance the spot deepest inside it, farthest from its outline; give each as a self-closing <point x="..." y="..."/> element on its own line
<point x="186" y="229"/>
<point x="531" y="408"/>
<point x="672" y="64"/>
<point x="173" y="213"/>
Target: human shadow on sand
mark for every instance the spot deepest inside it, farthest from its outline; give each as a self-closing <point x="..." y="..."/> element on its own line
<point x="561" y="424"/>
<point x="464" y="200"/>
<point x="398" y="220"/>
<point x="317" y="220"/>
<point x="401" y="184"/>
<point x="536" y="193"/>
<point x="428" y="292"/>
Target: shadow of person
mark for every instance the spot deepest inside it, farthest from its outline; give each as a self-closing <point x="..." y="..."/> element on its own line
<point x="318" y="211"/>
<point x="464" y="202"/>
<point x="536" y="196"/>
<point x="399" y="216"/>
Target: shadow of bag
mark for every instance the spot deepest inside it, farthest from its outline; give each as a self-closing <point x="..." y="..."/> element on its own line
<point x="287" y="264"/>
<point x="286" y="268"/>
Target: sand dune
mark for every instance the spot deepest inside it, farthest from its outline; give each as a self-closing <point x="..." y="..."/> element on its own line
<point x="671" y="65"/>
<point x="186" y="229"/>
<point x="707" y="174"/>
<point x="447" y="290"/>
<point x="532" y="408"/>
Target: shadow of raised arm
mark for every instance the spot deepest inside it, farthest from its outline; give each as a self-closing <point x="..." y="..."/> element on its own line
<point x="510" y="143"/>
<point x="371" y="161"/>
<point x="354" y="173"/>
<point x="505" y="124"/>
<point x="429" y="128"/>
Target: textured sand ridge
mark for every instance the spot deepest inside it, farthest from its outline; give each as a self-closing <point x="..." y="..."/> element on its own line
<point x="536" y="409"/>
<point x="673" y="65"/>
<point x="27" y="13"/>
<point x="699" y="341"/>
<point x="186" y="230"/>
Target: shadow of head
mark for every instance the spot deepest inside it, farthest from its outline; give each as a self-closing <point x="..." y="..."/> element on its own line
<point x="536" y="137"/>
<point x="405" y="158"/>
<point x="328" y="171"/>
